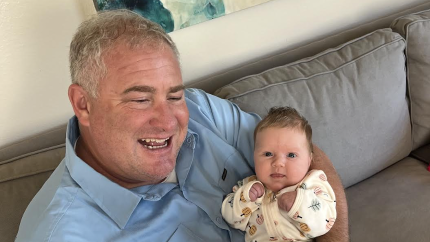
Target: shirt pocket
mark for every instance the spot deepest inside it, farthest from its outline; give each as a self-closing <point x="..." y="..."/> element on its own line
<point x="235" y="168"/>
<point x="182" y="234"/>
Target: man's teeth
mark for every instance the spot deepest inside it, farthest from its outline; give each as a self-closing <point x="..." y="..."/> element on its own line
<point x="155" y="147"/>
<point x="155" y="140"/>
<point x="155" y="143"/>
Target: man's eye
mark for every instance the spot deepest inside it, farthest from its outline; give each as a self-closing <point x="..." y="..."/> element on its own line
<point x="268" y="154"/>
<point x="175" y="98"/>
<point x="140" y="100"/>
<point x="292" y="155"/>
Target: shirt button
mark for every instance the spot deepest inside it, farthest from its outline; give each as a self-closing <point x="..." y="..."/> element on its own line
<point x="189" y="140"/>
<point x="219" y="220"/>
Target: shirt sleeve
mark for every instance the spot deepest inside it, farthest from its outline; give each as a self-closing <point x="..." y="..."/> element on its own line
<point x="237" y="206"/>
<point x="314" y="210"/>
<point x="235" y="126"/>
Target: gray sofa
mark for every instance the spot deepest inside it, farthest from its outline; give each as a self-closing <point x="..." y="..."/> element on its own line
<point x="368" y="101"/>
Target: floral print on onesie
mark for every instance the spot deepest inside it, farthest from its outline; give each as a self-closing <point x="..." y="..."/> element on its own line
<point x="312" y="214"/>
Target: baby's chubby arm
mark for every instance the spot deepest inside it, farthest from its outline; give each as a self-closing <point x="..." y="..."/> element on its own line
<point x="256" y="191"/>
<point x="237" y="207"/>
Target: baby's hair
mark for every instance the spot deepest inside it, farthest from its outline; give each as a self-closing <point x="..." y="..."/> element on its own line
<point x="286" y="117"/>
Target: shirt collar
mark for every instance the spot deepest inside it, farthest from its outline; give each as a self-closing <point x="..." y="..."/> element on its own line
<point x="115" y="200"/>
<point x="186" y="157"/>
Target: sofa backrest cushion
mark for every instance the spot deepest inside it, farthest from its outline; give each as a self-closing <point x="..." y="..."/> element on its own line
<point x="354" y="96"/>
<point x="24" y="168"/>
<point x="415" y="28"/>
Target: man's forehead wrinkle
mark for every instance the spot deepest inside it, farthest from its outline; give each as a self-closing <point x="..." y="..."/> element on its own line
<point x="145" y="70"/>
<point x="137" y="66"/>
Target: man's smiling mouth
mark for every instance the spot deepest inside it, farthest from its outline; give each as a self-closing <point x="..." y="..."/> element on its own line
<point x="154" y="143"/>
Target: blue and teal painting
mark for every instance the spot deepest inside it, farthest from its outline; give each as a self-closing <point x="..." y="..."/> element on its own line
<point x="177" y="14"/>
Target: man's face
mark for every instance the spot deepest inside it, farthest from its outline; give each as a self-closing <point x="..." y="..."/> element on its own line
<point x="139" y="120"/>
<point x="282" y="157"/>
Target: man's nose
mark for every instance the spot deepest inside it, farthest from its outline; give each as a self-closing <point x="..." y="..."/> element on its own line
<point x="163" y="117"/>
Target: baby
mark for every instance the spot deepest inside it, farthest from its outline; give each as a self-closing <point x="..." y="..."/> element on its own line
<point x="282" y="154"/>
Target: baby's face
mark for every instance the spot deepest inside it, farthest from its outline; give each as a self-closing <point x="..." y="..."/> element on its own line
<point x="282" y="157"/>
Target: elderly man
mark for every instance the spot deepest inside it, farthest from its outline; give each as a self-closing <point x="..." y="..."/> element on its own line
<point x="146" y="159"/>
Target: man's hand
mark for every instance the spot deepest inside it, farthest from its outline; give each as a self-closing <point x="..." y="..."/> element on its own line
<point x="286" y="200"/>
<point x="256" y="191"/>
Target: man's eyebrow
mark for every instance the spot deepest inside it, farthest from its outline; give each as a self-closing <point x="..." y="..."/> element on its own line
<point x="151" y="89"/>
<point x="176" y="89"/>
<point x="139" y="89"/>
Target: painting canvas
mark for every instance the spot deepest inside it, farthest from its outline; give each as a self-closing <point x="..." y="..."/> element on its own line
<point x="177" y="14"/>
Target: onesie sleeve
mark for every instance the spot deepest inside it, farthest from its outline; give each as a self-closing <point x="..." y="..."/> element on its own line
<point x="314" y="210"/>
<point x="237" y="206"/>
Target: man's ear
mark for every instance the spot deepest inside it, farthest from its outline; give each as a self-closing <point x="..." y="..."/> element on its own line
<point x="80" y="101"/>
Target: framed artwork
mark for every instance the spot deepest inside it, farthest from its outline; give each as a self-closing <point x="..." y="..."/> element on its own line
<point x="177" y="14"/>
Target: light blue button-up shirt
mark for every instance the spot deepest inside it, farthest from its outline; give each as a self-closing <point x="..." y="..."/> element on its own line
<point x="79" y="204"/>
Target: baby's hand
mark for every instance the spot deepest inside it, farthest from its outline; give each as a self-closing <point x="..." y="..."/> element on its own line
<point x="256" y="191"/>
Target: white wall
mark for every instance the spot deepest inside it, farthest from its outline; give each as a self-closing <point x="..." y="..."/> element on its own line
<point x="270" y="28"/>
<point x="34" y="75"/>
<point x="35" y="36"/>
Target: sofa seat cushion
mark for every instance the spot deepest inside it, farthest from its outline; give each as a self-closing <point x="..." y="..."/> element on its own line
<point x="416" y="30"/>
<point x="391" y="205"/>
<point x="354" y="96"/>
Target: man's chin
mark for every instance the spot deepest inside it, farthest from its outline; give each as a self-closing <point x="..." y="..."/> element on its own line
<point x="160" y="178"/>
<point x="163" y="172"/>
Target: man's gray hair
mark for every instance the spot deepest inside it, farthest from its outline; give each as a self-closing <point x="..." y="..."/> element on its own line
<point x="96" y="36"/>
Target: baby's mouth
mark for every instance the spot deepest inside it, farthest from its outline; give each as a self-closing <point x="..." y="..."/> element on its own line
<point x="277" y="175"/>
<point x="153" y="144"/>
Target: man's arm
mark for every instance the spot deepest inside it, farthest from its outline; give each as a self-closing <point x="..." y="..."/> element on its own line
<point x="340" y="231"/>
<point x="225" y="119"/>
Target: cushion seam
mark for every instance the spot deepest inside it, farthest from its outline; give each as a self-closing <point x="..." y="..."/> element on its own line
<point x="33" y="137"/>
<point x="317" y="74"/>
<point x="26" y="175"/>
<point x="32" y="153"/>
<point x="405" y="16"/>
<point x="312" y="58"/>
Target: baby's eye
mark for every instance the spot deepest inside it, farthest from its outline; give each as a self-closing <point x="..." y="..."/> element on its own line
<point x="292" y="155"/>
<point x="267" y="154"/>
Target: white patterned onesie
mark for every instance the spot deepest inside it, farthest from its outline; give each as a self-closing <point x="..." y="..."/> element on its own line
<point x="312" y="214"/>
